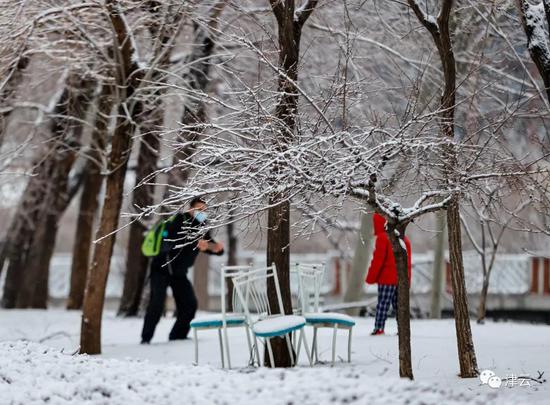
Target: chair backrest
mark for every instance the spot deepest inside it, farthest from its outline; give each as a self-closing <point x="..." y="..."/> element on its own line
<point x="228" y="273"/>
<point x="310" y="280"/>
<point x="251" y="288"/>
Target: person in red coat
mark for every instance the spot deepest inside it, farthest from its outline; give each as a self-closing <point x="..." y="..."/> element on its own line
<point x="382" y="271"/>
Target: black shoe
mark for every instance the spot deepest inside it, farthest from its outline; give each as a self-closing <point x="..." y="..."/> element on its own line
<point x="145" y="342"/>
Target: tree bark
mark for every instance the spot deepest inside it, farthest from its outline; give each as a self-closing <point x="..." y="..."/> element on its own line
<point x="19" y="240"/>
<point x="396" y="234"/>
<point x="487" y="269"/>
<point x="482" y="309"/>
<point x="46" y="194"/>
<point x="438" y="267"/>
<point x="89" y="200"/>
<point x="96" y="281"/>
<point x="58" y="190"/>
<point x="278" y="233"/>
<point x="465" y="343"/>
<point x="278" y="253"/>
<point x="18" y="244"/>
<point x="363" y="251"/>
<point x="439" y="29"/>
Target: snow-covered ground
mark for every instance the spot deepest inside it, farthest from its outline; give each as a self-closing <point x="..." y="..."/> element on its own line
<point x="37" y="366"/>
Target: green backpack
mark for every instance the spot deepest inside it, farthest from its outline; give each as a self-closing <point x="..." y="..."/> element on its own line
<point x="153" y="238"/>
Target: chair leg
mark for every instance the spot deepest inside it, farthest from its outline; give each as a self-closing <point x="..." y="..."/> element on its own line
<point x="298" y="345"/>
<point x="314" y="346"/>
<point x="349" y="345"/>
<point x="290" y="350"/>
<point x="270" y="351"/>
<point x="226" y="343"/>
<point x="257" y="350"/>
<point x="247" y="330"/>
<point x="334" y="344"/>
<point x="306" y="347"/>
<point x="196" y="341"/>
<point x="221" y="347"/>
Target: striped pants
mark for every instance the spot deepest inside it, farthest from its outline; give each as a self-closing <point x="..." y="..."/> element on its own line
<point x="387" y="294"/>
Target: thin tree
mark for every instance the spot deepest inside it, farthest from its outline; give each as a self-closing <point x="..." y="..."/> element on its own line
<point x="492" y="229"/>
<point x="440" y="31"/>
<point x="290" y="22"/>
<point x="30" y="242"/>
<point x="439" y="267"/>
<point x="59" y="190"/>
<point x="89" y="199"/>
<point x="127" y="81"/>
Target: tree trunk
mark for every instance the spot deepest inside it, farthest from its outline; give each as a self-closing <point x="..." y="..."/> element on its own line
<point x="30" y="278"/>
<point x="439" y="267"/>
<point x="126" y="79"/>
<point x="403" y="299"/>
<point x="466" y="352"/>
<point x="482" y="309"/>
<point x="58" y="189"/>
<point x="17" y="249"/>
<point x="363" y="252"/>
<point x="96" y="280"/>
<point x="89" y="200"/>
<point x="440" y="31"/>
<point x="19" y="240"/>
<point x="33" y="292"/>
<point x="45" y="194"/>
<point x="278" y="253"/>
<point x="20" y="237"/>
<point x="290" y="23"/>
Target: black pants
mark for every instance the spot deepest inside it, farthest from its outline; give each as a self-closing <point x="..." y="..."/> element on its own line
<point x="184" y="296"/>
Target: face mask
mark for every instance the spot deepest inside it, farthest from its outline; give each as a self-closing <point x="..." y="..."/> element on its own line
<point x="200" y="216"/>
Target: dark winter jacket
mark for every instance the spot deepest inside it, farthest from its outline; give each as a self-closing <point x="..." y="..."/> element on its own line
<point x="177" y="260"/>
<point x="382" y="268"/>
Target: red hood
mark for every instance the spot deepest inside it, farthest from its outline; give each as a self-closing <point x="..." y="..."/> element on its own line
<point x="379" y="224"/>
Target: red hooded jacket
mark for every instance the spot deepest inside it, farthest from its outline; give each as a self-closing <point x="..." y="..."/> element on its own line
<point x="382" y="268"/>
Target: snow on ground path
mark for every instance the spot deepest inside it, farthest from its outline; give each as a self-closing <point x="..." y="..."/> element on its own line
<point x="505" y="348"/>
<point x="31" y="373"/>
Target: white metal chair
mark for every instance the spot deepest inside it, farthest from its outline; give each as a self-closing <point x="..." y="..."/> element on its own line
<point x="269" y="321"/>
<point x="310" y="280"/>
<point x="223" y="320"/>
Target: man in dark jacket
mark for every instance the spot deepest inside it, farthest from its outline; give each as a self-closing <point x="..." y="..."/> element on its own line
<point x="179" y="250"/>
<point x="383" y="271"/>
